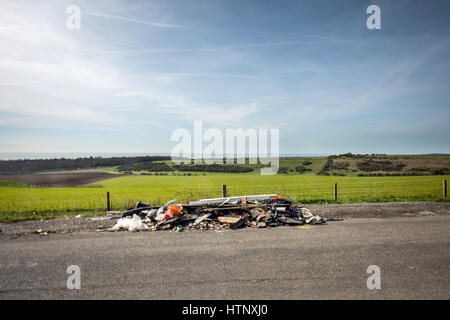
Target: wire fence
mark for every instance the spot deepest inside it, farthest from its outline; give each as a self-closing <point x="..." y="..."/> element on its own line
<point x="93" y="197"/>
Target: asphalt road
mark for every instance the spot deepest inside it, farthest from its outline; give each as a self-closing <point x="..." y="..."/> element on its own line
<point x="307" y="262"/>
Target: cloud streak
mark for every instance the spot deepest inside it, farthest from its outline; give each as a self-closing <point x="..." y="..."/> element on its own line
<point x="137" y="21"/>
<point x="221" y="48"/>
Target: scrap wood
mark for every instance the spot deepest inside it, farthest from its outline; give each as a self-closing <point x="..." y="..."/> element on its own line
<point x="136" y="210"/>
<point x="201" y="218"/>
<point x="227" y="219"/>
<point x="220" y="200"/>
<point x="170" y="221"/>
<point x="248" y="206"/>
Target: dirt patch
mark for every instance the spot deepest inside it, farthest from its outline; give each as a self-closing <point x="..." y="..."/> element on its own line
<point x="59" y="225"/>
<point x="381" y="210"/>
<point x="76" y="178"/>
<point x="346" y="211"/>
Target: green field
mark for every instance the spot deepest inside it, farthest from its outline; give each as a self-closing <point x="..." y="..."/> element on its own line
<point x="18" y="202"/>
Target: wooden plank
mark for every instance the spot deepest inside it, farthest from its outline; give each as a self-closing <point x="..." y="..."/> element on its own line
<point x="227" y="219"/>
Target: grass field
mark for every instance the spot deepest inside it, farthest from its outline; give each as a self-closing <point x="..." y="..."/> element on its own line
<point x="17" y="202"/>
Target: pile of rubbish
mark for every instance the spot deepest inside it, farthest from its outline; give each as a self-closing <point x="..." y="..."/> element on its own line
<point x="259" y="211"/>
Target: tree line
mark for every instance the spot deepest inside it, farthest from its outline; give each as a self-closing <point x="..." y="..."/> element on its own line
<point x="25" y="166"/>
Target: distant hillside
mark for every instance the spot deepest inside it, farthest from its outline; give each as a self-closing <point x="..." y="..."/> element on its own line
<point x="338" y="165"/>
<point x="386" y="165"/>
<point x="31" y="166"/>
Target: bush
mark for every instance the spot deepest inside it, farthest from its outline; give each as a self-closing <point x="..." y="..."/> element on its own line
<point x="327" y="166"/>
<point x="380" y="165"/>
<point x="302" y="169"/>
<point x="283" y="170"/>
<point x="438" y="172"/>
<point x="340" y="165"/>
<point x="213" y="168"/>
<point x="148" y="166"/>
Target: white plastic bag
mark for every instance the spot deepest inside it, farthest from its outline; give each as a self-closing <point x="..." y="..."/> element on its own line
<point x="130" y="223"/>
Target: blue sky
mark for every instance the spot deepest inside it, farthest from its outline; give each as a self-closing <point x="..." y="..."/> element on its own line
<point x="136" y="71"/>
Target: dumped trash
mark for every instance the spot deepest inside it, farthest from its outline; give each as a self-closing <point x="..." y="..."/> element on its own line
<point x="41" y="233"/>
<point x="100" y="218"/>
<point x="129" y="223"/>
<point x="258" y="211"/>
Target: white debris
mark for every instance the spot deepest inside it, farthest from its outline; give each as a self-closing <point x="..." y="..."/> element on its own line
<point x="129" y="223"/>
<point x="306" y="213"/>
<point x="150" y="213"/>
<point x="315" y="220"/>
<point x="99" y="218"/>
<point x="160" y="217"/>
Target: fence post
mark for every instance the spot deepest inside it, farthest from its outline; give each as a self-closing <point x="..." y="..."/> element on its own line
<point x="444" y="188"/>
<point x="108" y="206"/>
<point x="224" y="191"/>
<point x="335" y="191"/>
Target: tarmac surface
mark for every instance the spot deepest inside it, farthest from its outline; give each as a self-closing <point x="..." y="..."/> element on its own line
<point x="355" y="210"/>
<point x="305" y="262"/>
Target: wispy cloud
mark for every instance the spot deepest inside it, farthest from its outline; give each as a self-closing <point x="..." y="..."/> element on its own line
<point x="138" y="21"/>
<point x="184" y="108"/>
<point x="221" y="48"/>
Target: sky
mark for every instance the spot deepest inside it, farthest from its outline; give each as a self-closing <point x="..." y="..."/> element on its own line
<point x="137" y="70"/>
